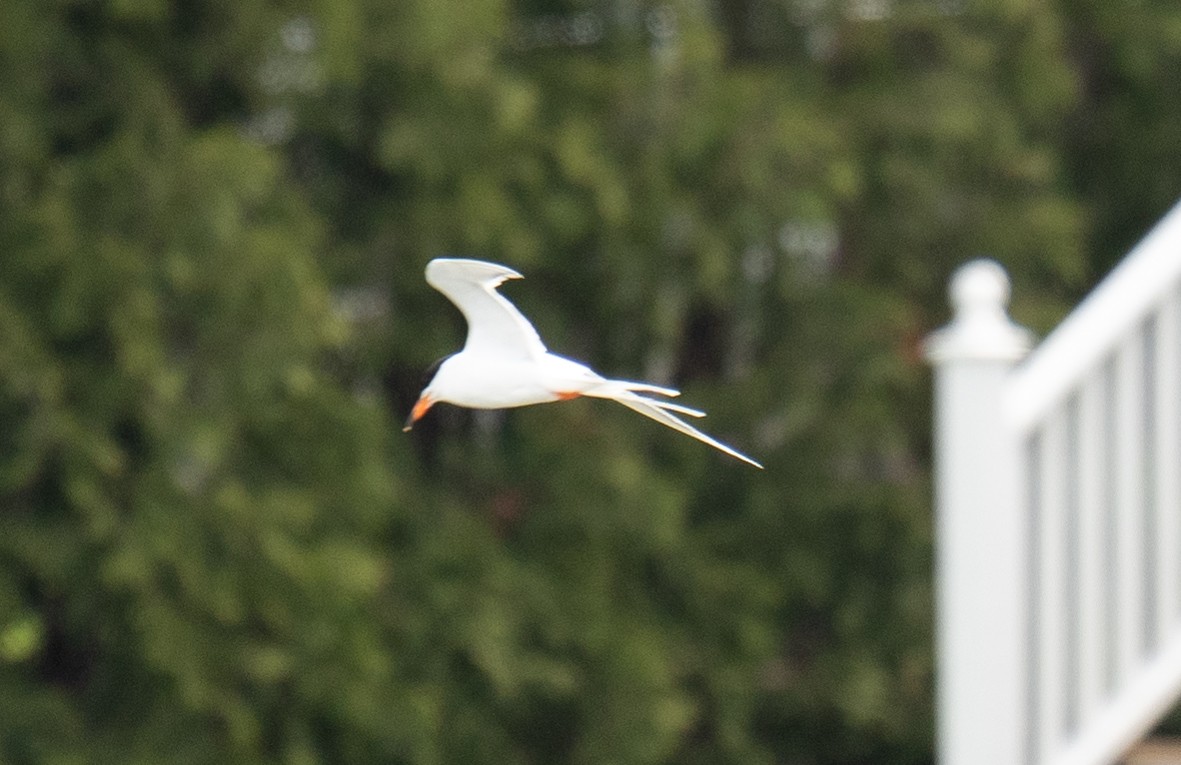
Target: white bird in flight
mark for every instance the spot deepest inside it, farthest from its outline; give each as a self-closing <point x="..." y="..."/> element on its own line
<point x="504" y="363"/>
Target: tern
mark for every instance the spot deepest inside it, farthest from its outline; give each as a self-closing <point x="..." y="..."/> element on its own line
<point x="504" y="364"/>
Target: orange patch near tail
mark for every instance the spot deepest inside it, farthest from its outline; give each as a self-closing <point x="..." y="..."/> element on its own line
<point x="567" y="395"/>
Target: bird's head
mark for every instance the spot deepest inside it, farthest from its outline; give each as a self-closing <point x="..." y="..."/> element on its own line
<point x="427" y="398"/>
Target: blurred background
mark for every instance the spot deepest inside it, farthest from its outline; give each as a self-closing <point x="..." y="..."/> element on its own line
<point x="216" y="546"/>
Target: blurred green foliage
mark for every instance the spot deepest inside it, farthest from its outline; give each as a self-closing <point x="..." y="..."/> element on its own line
<point x="213" y="221"/>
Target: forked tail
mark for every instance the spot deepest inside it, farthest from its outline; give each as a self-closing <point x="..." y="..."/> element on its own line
<point x="625" y="393"/>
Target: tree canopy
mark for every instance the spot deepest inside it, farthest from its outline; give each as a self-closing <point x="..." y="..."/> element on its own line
<point x="217" y="546"/>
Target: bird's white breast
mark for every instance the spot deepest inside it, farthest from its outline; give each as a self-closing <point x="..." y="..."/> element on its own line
<point x="485" y="382"/>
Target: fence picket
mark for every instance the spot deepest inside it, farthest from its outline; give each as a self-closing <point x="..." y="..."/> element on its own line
<point x="1129" y="499"/>
<point x="1167" y="447"/>
<point x="1049" y="618"/>
<point x="1093" y="602"/>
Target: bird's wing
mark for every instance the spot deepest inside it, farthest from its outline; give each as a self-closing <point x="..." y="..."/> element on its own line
<point x="494" y="325"/>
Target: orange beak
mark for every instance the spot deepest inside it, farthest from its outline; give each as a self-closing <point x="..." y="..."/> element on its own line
<point x="421" y="406"/>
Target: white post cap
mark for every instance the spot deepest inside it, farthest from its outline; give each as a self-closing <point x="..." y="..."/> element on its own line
<point x="981" y="328"/>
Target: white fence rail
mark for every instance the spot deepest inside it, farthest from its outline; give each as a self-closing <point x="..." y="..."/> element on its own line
<point x="1058" y="515"/>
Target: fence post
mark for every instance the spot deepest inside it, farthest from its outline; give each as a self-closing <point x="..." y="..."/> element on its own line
<point x="981" y="580"/>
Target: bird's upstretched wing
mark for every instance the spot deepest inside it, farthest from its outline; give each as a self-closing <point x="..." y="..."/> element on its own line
<point x="494" y="325"/>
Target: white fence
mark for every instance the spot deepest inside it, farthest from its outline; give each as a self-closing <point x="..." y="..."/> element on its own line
<point x="1058" y="515"/>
